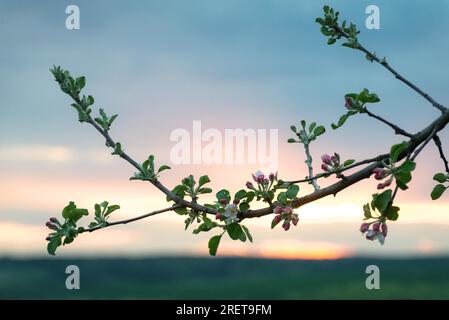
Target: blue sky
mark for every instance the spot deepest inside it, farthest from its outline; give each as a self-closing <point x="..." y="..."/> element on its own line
<point x="163" y="64"/>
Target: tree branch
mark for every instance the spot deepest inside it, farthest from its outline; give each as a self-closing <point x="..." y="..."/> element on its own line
<point x="422" y="137"/>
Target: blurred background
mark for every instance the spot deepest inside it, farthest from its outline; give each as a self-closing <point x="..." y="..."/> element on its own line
<point x="230" y="64"/>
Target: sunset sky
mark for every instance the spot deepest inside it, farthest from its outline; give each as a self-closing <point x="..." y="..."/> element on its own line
<point x="230" y="64"/>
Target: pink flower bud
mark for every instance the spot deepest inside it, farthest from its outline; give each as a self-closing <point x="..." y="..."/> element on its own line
<point x="249" y="185"/>
<point x="278" y="210"/>
<point x="236" y="201"/>
<point x="271" y="177"/>
<point x="326" y="159"/>
<point x="325" y="167"/>
<point x="51" y="226"/>
<point x="265" y="181"/>
<point x="277" y="219"/>
<point x="384" y="229"/>
<point x="286" y="225"/>
<point x="295" y="220"/>
<point x="54" y="220"/>
<point x="387" y="183"/>
<point x="364" y="227"/>
<point x="376" y="226"/>
<point x="377" y="170"/>
<point x="288" y="210"/>
<point x="218" y="216"/>
<point x="380" y="186"/>
<point x="348" y="102"/>
<point x="223" y="201"/>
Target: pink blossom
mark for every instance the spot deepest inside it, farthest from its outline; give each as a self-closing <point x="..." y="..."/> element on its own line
<point x="258" y="176"/>
<point x="325" y="167"/>
<point x="288" y="210"/>
<point x="376" y="226"/>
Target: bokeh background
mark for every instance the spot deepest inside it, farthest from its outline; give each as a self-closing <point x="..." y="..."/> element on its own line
<point x="230" y="64"/>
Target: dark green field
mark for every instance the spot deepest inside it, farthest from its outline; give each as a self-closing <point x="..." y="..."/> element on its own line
<point x="224" y="278"/>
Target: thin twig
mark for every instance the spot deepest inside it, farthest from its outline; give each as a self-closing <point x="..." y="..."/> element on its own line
<point x="423" y="145"/>
<point x="396" y="128"/>
<point x="384" y="63"/>
<point x="327" y="174"/>
<point x="437" y="141"/>
<point x="110" y="224"/>
<point x="309" y="166"/>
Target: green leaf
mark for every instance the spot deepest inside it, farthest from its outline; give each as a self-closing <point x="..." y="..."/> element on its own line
<point x="291" y="140"/>
<point x="292" y="191"/>
<point x="111" y="209"/>
<point x="97" y="210"/>
<point x="234" y="230"/>
<point x="381" y="201"/>
<point x="440" y="177"/>
<point x="407" y="166"/>
<point x="117" y="149"/>
<point x="76" y="214"/>
<point x="204" y="190"/>
<point x="248" y="235"/>
<point x="162" y="168"/>
<point x="396" y="151"/>
<point x="312" y="126"/>
<point x="223" y="194"/>
<point x="90" y="100"/>
<point x="53" y="245"/>
<point x="189" y="181"/>
<point x="181" y="211"/>
<point x="293" y="128"/>
<point x="213" y="244"/>
<point x="438" y="191"/>
<point x="343" y="119"/>
<point x="402" y="178"/>
<point x="347" y="163"/>
<point x="81" y="83"/>
<point x="244" y="206"/>
<point x="331" y="41"/>
<point x="240" y="195"/>
<point x="392" y="213"/>
<point x="67" y="209"/>
<point x="367" y="211"/>
<point x="366" y="97"/>
<point x="204" y="227"/>
<point x="203" y="180"/>
<point x="319" y="131"/>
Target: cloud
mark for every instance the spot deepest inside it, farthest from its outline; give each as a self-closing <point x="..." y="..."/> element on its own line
<point x="36" y="153"/>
